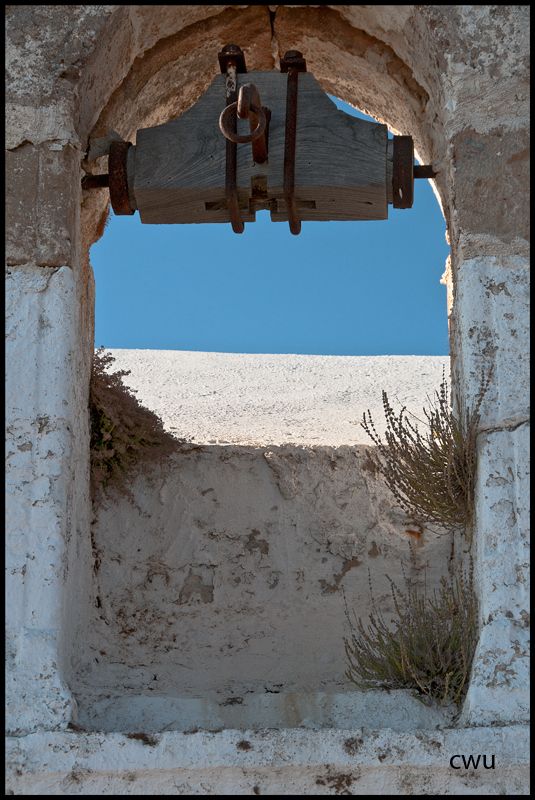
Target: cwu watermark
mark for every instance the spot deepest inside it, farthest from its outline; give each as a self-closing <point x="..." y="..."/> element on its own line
<point x="471" y="761"/>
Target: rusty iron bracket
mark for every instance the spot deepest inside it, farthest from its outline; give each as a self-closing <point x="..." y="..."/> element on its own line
<point x="293" y="63"/>
<point x="405" y="172"/>
<point x="118" y="181"/>
<point x="402" y="172"/>
<point x="115" y="180"/>
<point x="232" y="61"/>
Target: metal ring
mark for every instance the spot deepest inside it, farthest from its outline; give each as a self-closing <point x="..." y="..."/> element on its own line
<point x="233" y="137"/>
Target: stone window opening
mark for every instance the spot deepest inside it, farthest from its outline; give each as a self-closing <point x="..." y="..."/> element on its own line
<point x="237" y="688"/>
<point x="453" y="77"/>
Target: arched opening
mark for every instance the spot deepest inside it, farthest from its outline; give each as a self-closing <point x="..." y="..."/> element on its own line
<point x="245" y="633"/>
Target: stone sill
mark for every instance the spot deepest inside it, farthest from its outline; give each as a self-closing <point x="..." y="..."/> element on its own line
<point x="300" y="761"/>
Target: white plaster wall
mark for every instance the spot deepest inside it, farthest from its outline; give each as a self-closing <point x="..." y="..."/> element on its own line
<point x="492" y="316"/>
<point x="39" y="407"/>
<point x="492" y="312"/>
<point x="501" y="663"/>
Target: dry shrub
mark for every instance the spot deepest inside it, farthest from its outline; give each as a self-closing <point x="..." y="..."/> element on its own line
<point x="431" y="475"/>
<point x="123" y="432"/>
<point x="430" y="648"/>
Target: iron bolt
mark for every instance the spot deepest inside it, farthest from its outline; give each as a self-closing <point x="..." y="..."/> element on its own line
<point x="294" y="61"/>
<point x="232" y="54"/>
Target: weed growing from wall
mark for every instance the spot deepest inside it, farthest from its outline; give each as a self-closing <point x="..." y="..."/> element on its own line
<point x="430" y="648"/>
<point x="123" y="432"/>
<point x="431" y="475"/>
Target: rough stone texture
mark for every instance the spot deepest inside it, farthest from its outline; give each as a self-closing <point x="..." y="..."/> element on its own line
<point x="488" y="162"/>
<point x="42" y="183"/>
<point x="154" y="90"/>
<point x="197" y="595"/>
<point x="497" y="338"/>
<point x="502" y="579"/>
<point x="38" y="461"/>
<point x="352" y="761"/>
<point x="455" y="77"/>
<point x="256" y="710"/>
<point x="22" y="170"/>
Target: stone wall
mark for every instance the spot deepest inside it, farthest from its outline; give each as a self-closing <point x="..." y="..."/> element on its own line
<point x="220" y="588"/>
<point x="454" y="77"/>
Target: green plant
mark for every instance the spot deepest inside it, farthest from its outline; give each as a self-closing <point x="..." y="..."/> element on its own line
<point x="431" y="475"/>
<point x="123" y="432"/>
<point x="430" y="648"/>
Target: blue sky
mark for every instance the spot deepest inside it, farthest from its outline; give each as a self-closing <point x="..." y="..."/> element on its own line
<point x="339" y="288"/>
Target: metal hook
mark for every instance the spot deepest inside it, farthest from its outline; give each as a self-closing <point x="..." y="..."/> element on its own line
<point x="248" y="107"/>
<point x="248" y="99"/>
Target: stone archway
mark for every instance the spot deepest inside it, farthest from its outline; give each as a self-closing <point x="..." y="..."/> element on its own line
<point x="451" y="76"/>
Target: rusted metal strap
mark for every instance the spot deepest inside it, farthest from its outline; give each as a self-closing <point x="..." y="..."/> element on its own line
<point x="402" y="172"/>
<point x="249" y="107"/>
<point x="231" y="190"/>
<point x="293" y="63"/>
<point x="118" y="180"/>
<point x="405" y="172"/>
<point x="232" y="61"/>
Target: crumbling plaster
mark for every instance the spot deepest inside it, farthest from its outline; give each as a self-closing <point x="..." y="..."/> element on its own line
<point x="454" y="77"/>
<point x="38" y="495"/>
<point x="242" y="604"/>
